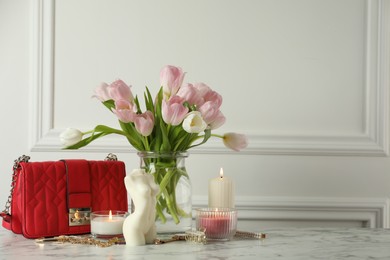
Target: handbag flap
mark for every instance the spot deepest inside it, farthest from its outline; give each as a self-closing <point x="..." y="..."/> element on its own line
<point x="78" y="184"/>
<point x="43" y="202"/>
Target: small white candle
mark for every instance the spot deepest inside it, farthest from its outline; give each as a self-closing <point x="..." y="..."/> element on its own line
<point x="221" y="192"/>
<point x="107" y="225"/>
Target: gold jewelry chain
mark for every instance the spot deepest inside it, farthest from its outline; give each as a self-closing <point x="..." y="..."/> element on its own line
<point x="189" y="236"/>
<point x="253" y="235"/>
<point x="81" y="240"/>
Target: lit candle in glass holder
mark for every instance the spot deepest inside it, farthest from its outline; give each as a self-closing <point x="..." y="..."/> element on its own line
<point x="218" y="223"/>
<point x="106" y="224"/>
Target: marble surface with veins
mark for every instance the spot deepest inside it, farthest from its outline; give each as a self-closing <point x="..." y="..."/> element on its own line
<point x="284" y="243"/>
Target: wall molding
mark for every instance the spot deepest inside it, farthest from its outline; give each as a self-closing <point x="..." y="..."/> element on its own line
<point x="373" y="212"/>
<point x="372" y="142"/>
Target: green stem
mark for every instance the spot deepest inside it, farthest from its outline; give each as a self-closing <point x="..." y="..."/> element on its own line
<point x="160" y="213"/>
<point x="164" y="182"/>
<point x="171" y="206"/>
<point x="88" y="132"/>
<point x="167" y="174"/>
<point x="216" y="135"/>
<point x="146" y="143"/>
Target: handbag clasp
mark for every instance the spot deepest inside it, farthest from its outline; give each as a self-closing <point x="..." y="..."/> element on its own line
<point x="79" y="216"/>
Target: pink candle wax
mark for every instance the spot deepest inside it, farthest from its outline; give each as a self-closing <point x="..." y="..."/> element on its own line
<point x="217" y="223"/>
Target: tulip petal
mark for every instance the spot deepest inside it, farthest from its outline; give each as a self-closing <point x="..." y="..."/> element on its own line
<point x="171" y="79"/>
<point x="194" y="123"/>
<point x="71" y="136"/>
<point x="173" y="111"/>
<point x="235" y="141"/>
<point x="120" y="90"/>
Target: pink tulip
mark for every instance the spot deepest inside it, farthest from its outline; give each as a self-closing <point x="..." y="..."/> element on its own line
<point x="171" y="79"/>
<point x="235" y="141"/>
<point x="119" y="90"/>
<point x="190" y="94"/>
<point x="209" y="111"/>
<point x="202" y="88"/>
<point x="144" y="123"/>
<point x="213" y="97"/>
<point x="124" y="111"/>
<point x="208" y="94"/>
<point x="173" y="111"/>
<point x="102" y="93"/>
<point x="219" y="120"/>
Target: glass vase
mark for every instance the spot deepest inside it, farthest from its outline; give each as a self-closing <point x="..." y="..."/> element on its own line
<point x="174" y="202"/>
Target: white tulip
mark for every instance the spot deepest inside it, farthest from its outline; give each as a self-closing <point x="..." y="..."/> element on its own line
<point x="235" y="141"/>
<point x="71" y="136"/>
<point x="193" y="123"/>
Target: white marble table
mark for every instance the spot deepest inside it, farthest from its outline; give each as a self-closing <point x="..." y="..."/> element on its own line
<point x="308" y="243"/>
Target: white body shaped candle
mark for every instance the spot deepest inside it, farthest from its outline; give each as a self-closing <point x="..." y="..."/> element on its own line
<point x="139" y="228"/>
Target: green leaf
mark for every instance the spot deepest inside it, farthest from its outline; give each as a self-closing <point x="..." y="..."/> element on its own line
<point x="179" y="146"/>
<point x="98" y="131"/>
<point x="207" y="135"/>
<point x="165" y="146"/>
<point x="132" y="135"/>
<point x="149" y="101"/>
<point x="155" y="143"/>
<point x="176" y="134"/>
<point x="164" y="139"/>
<point x="136" y="102"/>
<point x="110" y="104"/>
<point x="108" y="130"/>
<point x="86" y="141"/>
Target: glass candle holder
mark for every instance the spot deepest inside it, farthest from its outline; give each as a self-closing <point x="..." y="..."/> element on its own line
<point x="108" y="223"/>
<point x="218" y="223"/>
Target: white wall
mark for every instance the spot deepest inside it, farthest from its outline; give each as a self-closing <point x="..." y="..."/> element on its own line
<point x="306" y="80"/>
<point x="15" y="84"/>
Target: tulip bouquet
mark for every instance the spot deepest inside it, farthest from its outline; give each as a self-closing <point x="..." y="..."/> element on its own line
<point x="180" y="117"/>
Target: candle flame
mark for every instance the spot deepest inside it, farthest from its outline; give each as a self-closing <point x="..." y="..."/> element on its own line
<point x="221" y="173"/>
<point x="110" y="215"/>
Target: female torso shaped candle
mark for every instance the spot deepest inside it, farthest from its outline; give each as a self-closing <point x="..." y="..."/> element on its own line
<point x="221" y="192"/>
<point x="139" y="228"/>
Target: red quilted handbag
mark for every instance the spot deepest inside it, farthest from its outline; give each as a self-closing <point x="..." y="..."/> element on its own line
<point x="55" y="198"/>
